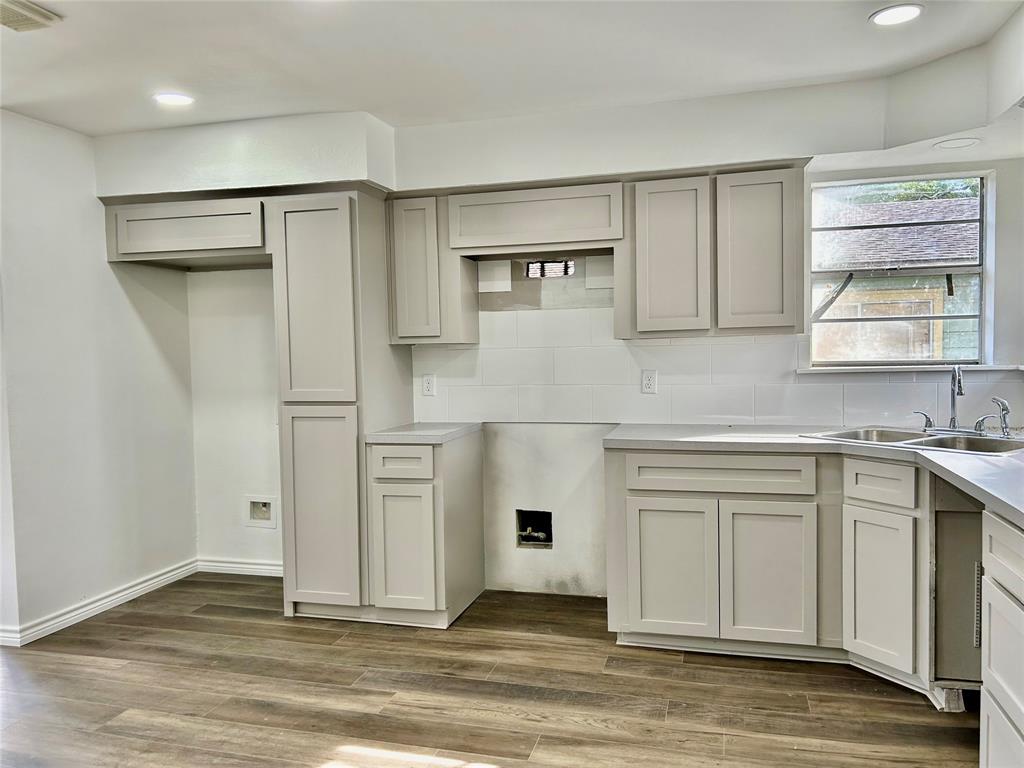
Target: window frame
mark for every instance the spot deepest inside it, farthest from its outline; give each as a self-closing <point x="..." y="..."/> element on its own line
<point x="982" y="269"/>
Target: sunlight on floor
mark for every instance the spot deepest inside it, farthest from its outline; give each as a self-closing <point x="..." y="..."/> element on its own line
<point x="389" y="758"/>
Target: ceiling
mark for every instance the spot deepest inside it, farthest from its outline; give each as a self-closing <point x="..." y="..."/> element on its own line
<point x="412" y="63"/>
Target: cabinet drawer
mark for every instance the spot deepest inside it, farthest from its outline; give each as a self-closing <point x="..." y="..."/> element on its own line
<point x="720" y="473"/>
<point x="529" y="216"/>
<point x="1002" y="649"/>
<point x="1003" y="554"/>
<point x="893" y="484"/>
<point x="415" y="462"/>
<point x="191" y="226"/>
<point x="1002" y="745"/>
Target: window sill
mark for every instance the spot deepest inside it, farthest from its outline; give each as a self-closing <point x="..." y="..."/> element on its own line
<point x="902" y="368"/>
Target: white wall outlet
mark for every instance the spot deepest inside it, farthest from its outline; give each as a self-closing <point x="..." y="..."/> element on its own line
<point x="649" y="382"/>
<point x="429" y="384"/>
<point x="260" y="511"/>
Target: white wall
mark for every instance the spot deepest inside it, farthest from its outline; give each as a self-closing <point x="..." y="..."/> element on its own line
<point x="96" y="363"/>
<point x="234" y="405"/>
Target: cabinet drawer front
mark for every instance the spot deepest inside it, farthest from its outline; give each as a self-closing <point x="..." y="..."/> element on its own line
<point x="1002" y="649"/>
<point x="893" y="484"/>
<point x="1003" y="554"/>
<point x="720" y="473"/>
<point x="192" y="226"/>
<point x="1002" y="744"/>
<point x="524" y="217"/>
<point x="402" y="461"/>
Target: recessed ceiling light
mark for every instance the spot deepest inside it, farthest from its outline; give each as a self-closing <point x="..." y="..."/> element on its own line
<point x="173" y="99"/>
<point x="896" y="14"/>
<point x="962" y="142"/>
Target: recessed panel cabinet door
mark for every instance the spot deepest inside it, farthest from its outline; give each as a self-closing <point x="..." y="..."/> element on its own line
<point x="673" y="255"/>
<point x="672" y="565"/>
<point x="760" y="248"/>
<point x="402" y="517"/>
<point x="415" y="265"/>
<point x="320" y="503"/>
<point x="878" y="586"/>
<point x="769" y="571"/>
<point x="310" y="239"/>
<point x="1002" y="745"/>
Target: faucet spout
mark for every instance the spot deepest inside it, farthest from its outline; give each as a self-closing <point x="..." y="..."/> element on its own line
<point x="956" y="389"/>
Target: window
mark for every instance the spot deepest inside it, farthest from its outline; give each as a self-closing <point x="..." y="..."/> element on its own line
<point x="896" y="272"/>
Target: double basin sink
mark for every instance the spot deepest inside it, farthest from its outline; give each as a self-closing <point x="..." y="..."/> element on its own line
<point x="905" y="438"/>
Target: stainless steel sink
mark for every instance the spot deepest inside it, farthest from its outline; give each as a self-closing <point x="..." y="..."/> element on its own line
<point x="875" y="435"/>
<point x="969" y="443"/>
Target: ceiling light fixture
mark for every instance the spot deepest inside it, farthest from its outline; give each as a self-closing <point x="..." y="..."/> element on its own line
<point x="896" y="14"/>
<point x="961" y="142"/>
<point x="173" y="99"/>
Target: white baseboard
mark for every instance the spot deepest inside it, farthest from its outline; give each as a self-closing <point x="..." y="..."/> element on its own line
<point x="34" y="630"/>
<point x="250" y="567"/>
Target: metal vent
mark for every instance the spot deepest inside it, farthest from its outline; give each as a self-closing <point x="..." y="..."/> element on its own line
<point x="23" y="16"/>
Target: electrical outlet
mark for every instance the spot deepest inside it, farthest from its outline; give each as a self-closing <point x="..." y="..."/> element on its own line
<point x="429" y="384"/>
<point x="649" y="382"/>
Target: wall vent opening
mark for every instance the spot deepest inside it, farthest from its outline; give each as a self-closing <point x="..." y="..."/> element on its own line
<point x="533" y="529"/>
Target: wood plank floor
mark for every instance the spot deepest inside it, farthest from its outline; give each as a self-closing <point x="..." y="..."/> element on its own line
<point x="207" y="672"/>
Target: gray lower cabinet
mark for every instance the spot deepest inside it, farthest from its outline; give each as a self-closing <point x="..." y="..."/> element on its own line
<point x="402" y="519"/>
<point x="1002" y="745"/>
<point x="672" y="565"/>
<point x="320" y="503"/>
<point x="879" y="586"/>
<point x="769" y="572"/>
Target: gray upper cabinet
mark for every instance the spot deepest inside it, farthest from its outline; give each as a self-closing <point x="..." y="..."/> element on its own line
<point x="673" y="255"/>
<point x="530" y="216"/>
<point x="759" y="247"/>
<point x="414" y="254"/>
<point x="310" y="237"/>
<point x="187" y="226"/>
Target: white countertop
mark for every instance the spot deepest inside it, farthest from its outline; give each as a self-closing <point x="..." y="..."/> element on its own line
<point x="997" y="481"/>
<point x="423" y="433"/>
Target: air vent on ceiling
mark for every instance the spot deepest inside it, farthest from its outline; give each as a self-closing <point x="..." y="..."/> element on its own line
<point x="23" y="16"/>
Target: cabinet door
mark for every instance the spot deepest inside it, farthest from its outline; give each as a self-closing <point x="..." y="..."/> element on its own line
<point x="1002" y="745"/>
<point x="672" y="565"/>
<point x="769" y="570"/>
<point x="759" y="247"/>
<point x="403" y="546"/>
<point x="878" y="586"/>
<point x="415" y="267"/>
<point x="1002" y="649"/>
<point x="188" y="226"/>
<point x="673" y="255"/>
<point x="310" y="238"/>
<point x="320" y="503"/>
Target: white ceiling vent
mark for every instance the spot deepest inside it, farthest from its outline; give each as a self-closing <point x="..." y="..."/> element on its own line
<point x="23" y="16"/>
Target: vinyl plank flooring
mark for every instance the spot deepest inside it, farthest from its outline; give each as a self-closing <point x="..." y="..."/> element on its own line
<point x="50" y="710"/>
<point x="575" y="752"/>
<point x="227" y="627"/>
<point x="276" y="616"/>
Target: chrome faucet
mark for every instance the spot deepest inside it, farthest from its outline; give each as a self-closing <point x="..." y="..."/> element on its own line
<point x="956" y="389"/>
<point x="1004" y="415"/>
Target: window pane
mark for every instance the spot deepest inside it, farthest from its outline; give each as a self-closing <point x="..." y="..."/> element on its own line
<point x="900" y="296"/>
<point x="896" y="202"/>
<point x="896" y="247"/>
<point x="895" y="341"/>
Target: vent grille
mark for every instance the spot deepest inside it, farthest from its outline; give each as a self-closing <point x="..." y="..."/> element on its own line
<point x="23" y="16"/>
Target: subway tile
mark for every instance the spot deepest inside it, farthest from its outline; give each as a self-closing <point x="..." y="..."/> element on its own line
<point x="592" y="365"/>
<point x="482" y="404"/>
<point x="757" y="362"/>
<point x="713" y="404"/>
<point x="556" y="403"/>
<point x="602" y="327"/>
<point x="798" y="404"/>
<point x="627" y="404"/>
<point x="675" y="364"/>
<point x="429" y="408"/>
<point x="456" y="367"/>
<point x="887" y="404"/>
<point x="553" y="328"/>
<point x="517" y="366"/>
<point x="498" y="329"/>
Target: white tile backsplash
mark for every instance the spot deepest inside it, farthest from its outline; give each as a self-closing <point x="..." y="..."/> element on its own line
<point x="566" y="365"/>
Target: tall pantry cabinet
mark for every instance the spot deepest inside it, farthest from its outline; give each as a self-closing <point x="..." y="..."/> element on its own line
<point x="339" y="379"/>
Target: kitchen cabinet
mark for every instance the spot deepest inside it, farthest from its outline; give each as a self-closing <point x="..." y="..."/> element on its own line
<point x="673" y="254"/>
<point x="432" y="290"/>
<point x="879" y="564"/>
<point x="320" y="504"/>
<point x="769" y="570"/>
<point x="759" y="248"/>
<point x="1002" y="744"/>
<point x="402" y="518"/>
<point x="672" y="571"/>
<point x="533" y="216"/>
<point x="310" y="239"/>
